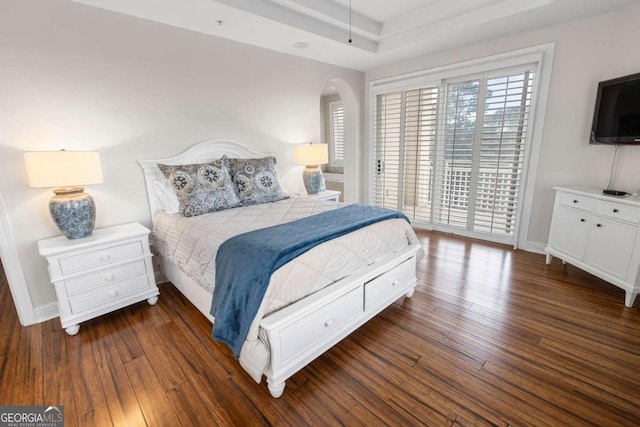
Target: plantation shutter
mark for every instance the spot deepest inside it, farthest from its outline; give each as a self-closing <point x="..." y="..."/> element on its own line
<point x="451" y="156"/>
<point x="501" y="152"/>
<point x="456" y="160"/>
<point x="337" y="134"/>
<point x="388" y="134"/>
<point x="421" y="112"/>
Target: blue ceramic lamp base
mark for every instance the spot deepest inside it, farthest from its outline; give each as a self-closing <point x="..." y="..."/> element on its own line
<point x="313" y="179"/>
<point x="73" y="211"/>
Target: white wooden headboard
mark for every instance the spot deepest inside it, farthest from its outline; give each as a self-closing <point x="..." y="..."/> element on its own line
<point x="160" y="193"/>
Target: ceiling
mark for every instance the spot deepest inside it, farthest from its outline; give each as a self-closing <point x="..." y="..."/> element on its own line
<point x="382" y="31"/>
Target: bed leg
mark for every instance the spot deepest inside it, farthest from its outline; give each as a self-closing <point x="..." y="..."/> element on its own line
<point x="409" y="293"/>
<point x="276" y="388"/>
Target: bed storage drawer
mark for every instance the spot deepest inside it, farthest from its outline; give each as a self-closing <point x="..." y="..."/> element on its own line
<point x="321" y="323"/>
<point x="390" y="285"/>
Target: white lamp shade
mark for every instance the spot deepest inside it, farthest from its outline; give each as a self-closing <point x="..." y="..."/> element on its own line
<point x="312" y="154"/>
<point x="63" y="168"/>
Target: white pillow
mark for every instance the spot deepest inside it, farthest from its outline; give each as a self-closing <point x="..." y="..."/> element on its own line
<point x="165" y="196"/>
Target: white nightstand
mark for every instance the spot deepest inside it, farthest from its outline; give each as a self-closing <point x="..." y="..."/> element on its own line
<point x="101" y="273"/>
<point x="329" y="195"/>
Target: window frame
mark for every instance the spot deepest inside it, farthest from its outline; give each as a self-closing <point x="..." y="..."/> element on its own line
<point x="541" y="55"/>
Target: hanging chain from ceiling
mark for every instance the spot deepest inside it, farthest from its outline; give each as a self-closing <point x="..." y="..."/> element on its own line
<point x="350" y="40"/>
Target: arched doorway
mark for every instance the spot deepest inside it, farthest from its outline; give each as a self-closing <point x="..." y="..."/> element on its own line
<point x="344" y="175"/>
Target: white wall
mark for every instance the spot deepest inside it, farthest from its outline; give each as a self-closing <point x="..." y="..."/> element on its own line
<point x="586" y="52"/>
<point x="81" y="78"/>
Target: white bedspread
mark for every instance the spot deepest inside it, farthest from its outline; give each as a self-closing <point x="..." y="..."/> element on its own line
<point x="192" y="244"/>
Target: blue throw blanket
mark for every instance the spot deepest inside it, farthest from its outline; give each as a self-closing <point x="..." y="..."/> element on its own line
<point x="244" y="263"/>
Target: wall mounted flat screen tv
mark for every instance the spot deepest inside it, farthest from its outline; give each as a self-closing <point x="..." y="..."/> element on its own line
<point x="616" y="119"/>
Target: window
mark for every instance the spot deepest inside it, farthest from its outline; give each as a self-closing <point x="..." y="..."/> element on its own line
<point x="336" y="134"/>
<point x="450" y="153"/>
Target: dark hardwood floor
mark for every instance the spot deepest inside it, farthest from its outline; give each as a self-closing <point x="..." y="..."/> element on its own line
<point x="492" y="337"/>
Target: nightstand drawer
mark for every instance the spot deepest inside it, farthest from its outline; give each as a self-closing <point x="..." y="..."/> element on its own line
<point x="108" y="295"/>
<point x="105" y="277"/>
<point x="102" y="257"/>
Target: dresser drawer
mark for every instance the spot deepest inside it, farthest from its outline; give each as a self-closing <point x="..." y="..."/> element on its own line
<point x="108" y="295"/>
<point x="105" y="277"/>
<point x="390" y="284"/>
<point x="100" y="257"/>
<point x="577" y="201"/>
<point x="618" y="211"/>
<point x="321" y="323"/>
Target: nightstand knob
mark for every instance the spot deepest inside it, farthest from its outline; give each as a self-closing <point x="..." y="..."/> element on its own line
<point x="109" y="278"/>
<point x="395" y="282"/>
<point x="113" y="293"/>
<point x="105" y="257"/>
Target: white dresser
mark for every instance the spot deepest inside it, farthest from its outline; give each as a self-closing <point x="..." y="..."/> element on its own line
<point x="95" y="275"/>
<point x="599" y="234"/>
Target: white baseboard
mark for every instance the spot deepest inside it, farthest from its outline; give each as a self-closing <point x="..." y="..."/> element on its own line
<point x="535" y="247"/>
<point x="46" y="312"/>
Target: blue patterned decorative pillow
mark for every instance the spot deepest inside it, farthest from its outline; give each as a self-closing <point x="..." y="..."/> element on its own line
<point x="202" y="188"/>
<point x="256" y="180"/>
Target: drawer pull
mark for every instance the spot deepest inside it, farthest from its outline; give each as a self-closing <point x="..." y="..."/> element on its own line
<point x="395" y="283"/>
<point x="328" y="322"/>
<point x="582" y="220"/>
<point x="598" y="225"/>
<point x="575" y="201"/>
<point x="109" y="278"/>
<point x="113" y="293"/>
<point x="105" y="257"/>
<point x="615" y="211"/>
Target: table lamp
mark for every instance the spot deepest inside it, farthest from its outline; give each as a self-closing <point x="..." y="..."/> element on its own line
<point x="73" y="210"/>
<point x="312" y="156"/>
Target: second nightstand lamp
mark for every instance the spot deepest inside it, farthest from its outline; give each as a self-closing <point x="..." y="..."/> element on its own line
<point x="312" y="156"/>
<point x="72" y="209"/>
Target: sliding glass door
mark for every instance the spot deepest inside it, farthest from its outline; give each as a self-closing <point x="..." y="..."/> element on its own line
<point x="450" y="155"/>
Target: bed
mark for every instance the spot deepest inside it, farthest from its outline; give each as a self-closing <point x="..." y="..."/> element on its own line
<point x="311" y="302"/>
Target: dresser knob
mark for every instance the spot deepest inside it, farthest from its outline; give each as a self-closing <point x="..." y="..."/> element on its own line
<point x="615" y="211"/>
<point x="598" y="225"/>
<point x="582" y="220"/>
<point x="575" y="201"/>
<point x="105" y="257"/>
<point x="395" y="283"/>
<point x="109" y="278"/>
<point x="113" y="293"/>
<point x="328" y="322"/>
